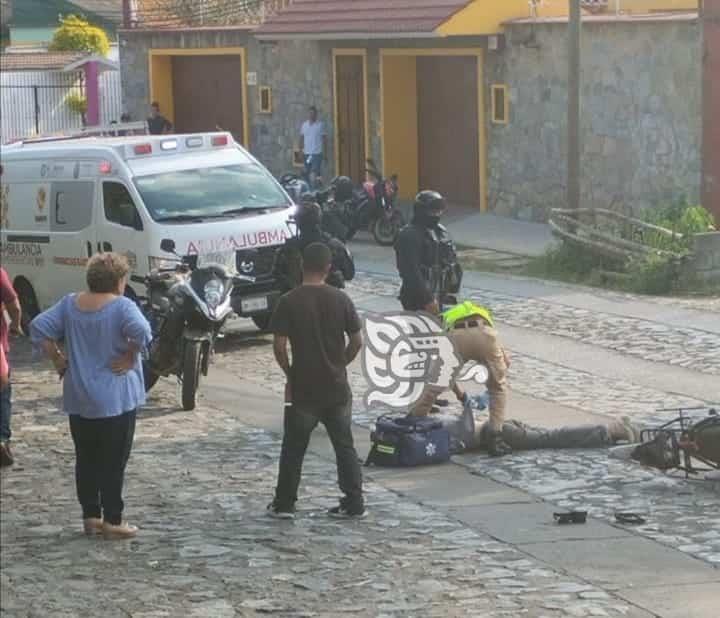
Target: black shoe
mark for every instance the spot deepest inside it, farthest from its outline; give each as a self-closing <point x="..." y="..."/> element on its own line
<point x="442" y="403"/>
<point x="497" y="447"/>
<point x="277" y="512"/>
<point x="6" y="458"/>
<point x="343" y="511"/>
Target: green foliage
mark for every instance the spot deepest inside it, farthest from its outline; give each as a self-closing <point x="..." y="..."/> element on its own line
<point x="681" y="218"/>
<point x="648" y="274"/>
<point x="77" y="103"/>
<point x="77" y="34"/>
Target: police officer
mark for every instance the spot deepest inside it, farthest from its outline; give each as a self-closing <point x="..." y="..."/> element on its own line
<point x="288" y="260"/>
<point x="426" y="258"/>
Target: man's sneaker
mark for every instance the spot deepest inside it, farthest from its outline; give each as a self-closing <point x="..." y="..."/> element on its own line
<point x="279" y="513"/>
<point x="343" y="512"/>
<point x="6" y="458"/>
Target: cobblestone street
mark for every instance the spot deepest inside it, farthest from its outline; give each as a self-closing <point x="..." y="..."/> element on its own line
<point x="198" y="484"/>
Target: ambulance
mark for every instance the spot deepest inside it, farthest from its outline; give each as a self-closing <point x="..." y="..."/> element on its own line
<point x="65" y="199"/>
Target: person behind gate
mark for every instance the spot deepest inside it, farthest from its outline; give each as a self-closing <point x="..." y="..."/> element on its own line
<point x="324" y="332"/>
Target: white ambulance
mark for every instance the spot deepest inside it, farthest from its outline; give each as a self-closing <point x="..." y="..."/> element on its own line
<point x="65" y="199"/>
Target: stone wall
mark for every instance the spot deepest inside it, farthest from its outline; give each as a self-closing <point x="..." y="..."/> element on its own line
<point x="641" y="110"/>
<point x="298" y="72"/>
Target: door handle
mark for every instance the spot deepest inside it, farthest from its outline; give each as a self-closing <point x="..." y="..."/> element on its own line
<point x="89" y="249"/>
<point x="107" y="246"/>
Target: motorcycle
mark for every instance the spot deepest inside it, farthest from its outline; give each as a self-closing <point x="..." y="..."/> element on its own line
<point x="347" y="209"/>
<point x="187" y="308"/>
<point x="374" y="206"/>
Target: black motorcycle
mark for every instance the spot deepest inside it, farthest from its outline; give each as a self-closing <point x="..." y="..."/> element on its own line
<point x="187" y="307"/>
<point x="372" y="206"/>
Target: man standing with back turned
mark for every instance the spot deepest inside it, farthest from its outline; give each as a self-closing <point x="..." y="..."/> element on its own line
<point x="323" y="328"/>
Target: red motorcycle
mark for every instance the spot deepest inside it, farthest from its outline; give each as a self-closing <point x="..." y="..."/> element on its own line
<point x="372" y="207"/>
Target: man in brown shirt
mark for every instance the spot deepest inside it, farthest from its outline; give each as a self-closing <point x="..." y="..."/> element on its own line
<point x="323" y="329"/>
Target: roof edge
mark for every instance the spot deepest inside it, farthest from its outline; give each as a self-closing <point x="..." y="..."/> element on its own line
<point x="345" y="36"/>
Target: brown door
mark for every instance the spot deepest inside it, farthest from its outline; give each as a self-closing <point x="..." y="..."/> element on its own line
<point x="448" y="147"/>
<point x="207" y="93"/>
<point x="350" y="117"/>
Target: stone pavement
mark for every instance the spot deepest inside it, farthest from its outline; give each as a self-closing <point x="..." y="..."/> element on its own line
<point x="197" y="485"/>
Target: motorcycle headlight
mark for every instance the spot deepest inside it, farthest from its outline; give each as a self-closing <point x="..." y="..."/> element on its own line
<point x="161" y="263"/>
<point x="213" y="292"/>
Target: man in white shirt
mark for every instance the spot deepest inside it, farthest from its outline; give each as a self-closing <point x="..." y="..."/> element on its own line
<point x="313" y="142"/>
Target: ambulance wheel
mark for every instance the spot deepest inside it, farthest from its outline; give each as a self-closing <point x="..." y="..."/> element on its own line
<point x="262" y="321"/>
<point x="28" y="303"/>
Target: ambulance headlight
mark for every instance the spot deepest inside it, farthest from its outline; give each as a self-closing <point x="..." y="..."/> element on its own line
<point x="213" y="292"/>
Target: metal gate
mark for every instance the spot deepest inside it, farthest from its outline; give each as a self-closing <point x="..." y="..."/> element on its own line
<point x="36" y="103"/>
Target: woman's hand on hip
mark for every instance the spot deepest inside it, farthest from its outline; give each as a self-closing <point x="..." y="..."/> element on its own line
<point x="124" y="363"/>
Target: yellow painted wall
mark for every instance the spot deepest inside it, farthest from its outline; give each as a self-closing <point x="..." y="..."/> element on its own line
<point x="161" y="85"/>
<point x="400" y="121"/>
<point x="484" y="17"/>
<point x="487" y="16"/>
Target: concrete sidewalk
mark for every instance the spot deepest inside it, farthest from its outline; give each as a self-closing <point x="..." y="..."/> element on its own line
<point x="486" y="231"/>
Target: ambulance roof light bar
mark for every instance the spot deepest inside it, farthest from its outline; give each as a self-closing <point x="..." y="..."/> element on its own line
<point x="110" y="130"/>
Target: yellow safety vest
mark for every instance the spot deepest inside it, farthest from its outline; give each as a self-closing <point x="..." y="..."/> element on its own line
<point x="463" y="311"/>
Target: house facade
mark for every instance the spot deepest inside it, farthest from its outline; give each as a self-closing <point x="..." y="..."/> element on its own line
<point x="468" y="98"/>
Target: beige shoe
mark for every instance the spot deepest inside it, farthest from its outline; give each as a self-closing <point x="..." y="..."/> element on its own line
<point x="624" y="430"/>
<point x="122" y="531"/>
<point x="93" y="526"/>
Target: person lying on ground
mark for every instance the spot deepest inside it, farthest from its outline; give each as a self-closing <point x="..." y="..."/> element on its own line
<point x="469" y="432"/>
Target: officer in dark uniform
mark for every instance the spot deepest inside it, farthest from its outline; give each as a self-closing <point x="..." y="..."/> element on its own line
<point x="288" y="260"/>
<point x="426" y="258"/>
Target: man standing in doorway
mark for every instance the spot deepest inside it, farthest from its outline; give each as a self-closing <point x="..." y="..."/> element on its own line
<point x="323" y="329"/>
<point x="313" y="142"/>
<point x="157" y="123"/>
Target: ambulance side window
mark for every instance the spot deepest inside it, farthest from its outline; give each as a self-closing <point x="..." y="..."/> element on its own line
<point x="119" y="206"/>
<point x="71" y="206"/>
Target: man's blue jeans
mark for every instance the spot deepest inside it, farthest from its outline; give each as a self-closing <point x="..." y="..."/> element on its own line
<point x="5" y="410"/>
<point x="313" y="167"/>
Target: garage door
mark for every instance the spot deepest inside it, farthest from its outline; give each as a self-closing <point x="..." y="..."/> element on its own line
<point x="448" y="147"/>
<point x="207" y="93"/>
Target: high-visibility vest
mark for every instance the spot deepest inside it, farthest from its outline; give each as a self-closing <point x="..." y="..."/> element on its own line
<point x="463" y="311"/>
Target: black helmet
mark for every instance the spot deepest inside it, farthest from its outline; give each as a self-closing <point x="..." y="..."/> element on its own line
<point x="428" y="207"/>
<point x="343" y="188"/>
<point x="308" y="213"/>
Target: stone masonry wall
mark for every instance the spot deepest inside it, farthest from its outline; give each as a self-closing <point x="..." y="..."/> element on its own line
<point x="298" y="72"/>
<point x="641" y="111"/>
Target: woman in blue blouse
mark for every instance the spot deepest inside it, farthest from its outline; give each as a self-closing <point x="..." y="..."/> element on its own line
<point x="103" y="334"/>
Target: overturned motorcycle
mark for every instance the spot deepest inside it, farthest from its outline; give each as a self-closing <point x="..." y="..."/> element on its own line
<point x="186" y="307"/>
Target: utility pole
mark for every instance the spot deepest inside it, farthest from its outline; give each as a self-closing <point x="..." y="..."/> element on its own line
<point x="711" y="103"/>
<point x="573" y="120"/>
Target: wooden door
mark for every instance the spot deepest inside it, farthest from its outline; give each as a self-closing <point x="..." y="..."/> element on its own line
<point x="448" y="132"/>
<point x="350" y="121"/>
<point x="207" y="93"/>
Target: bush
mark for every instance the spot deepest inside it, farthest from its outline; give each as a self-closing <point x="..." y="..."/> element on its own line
<point x="77" y="34"/>
<point x="77" y="103"/>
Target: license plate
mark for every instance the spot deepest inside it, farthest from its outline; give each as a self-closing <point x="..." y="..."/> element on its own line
<point x="224" y="258"/>
<point x="252" y="305"/>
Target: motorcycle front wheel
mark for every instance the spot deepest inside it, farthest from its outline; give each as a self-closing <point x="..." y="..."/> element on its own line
<point x="192" y="360"/>
<point x="385" y="230"/>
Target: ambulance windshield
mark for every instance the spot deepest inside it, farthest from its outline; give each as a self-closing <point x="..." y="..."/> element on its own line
<point x="210" y="193"/>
